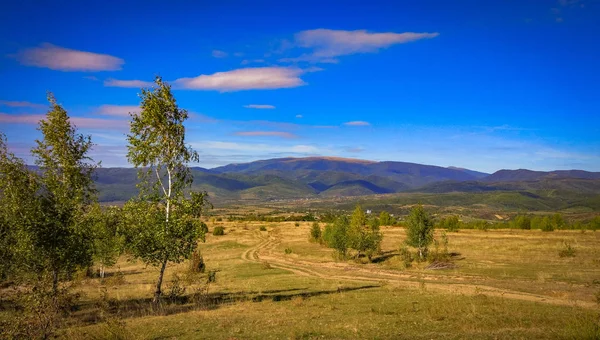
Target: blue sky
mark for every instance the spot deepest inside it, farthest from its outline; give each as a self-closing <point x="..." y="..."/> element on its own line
<point x="485" y="85"/>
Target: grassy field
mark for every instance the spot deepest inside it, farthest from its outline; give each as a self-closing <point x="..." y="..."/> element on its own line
<point x="508" y="284"/>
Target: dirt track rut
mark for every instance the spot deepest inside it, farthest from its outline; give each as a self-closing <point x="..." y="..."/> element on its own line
<point x="262" y="252"/>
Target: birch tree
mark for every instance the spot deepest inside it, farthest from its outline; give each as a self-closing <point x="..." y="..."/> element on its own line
<point x="164" y="225"/>
<point x="419" y="231"/>
<point x="61" y="241"/>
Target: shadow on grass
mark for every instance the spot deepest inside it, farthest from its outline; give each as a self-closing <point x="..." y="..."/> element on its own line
<point x="94" y="313"/>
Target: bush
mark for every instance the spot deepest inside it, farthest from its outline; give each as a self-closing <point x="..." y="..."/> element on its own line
<point x="522" y="222"/>
<point x="219" y="219"/>
<point x="546" y="224"/>
<point x="451" y="224"/>
<point x="296" y="224"/>
<point x="288" y="251"/>
<point x="262" y="228"/>
<point x="219" y="231"/>
<point x="212" y="276"/>
<point x="315" y="232"/>
<point x="406" y="256"/>
<point x="440" y="253"/>
<point x="567" y="250"/>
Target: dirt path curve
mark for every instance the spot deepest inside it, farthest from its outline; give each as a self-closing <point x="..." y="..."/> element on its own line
<point x="262" y="252"/>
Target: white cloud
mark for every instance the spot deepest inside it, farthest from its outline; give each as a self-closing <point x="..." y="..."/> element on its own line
<point x="298" y="116"/>
<point x="21" y="104"/>
<point x="282" y="134"/>
<point x="262" y="78"/>
<point x="357" y="123"/>
<point x="249" y="61"/>
<point x="127" y="83"/>
<point x="64" y="59"/>
<point x="219" y="54"/>
<point x="117" y="110"/>
<point x="329" y="44"/>
<point x="259" y="106"/>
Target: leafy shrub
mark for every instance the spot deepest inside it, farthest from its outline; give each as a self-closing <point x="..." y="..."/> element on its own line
<point x="262" y="228"/>
<point x="546" y="224"/>
<point x="296" y="224"/>
<point x="567" y="250"/>
<point x="288" y="251"/>
<point x="440" y="252"/>
<point x="212" y="276"/>
<point x="406" y="256"/>
<point x="219" y="231"/>
<point x="315" y="232"/>
<point x="522" y="222"/>
<point x="219" y="219"/>
<point x="451" y="224"/>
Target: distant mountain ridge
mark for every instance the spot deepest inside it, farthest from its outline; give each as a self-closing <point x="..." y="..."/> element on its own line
<point x="292" y="178"/>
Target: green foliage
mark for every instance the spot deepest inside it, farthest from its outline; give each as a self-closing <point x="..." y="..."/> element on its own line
<point x="164" y="225"/>
<point x="296" y="224"/>
<point x="315" y="232"/>
<point x="546" y="224"/>
<point x="406" y="256"/>
<point x="364" y="235"/>
<point x="522" y="222"/>
<point x="219" y="231"/>
<point x="594" y="224"/>
<point x="42" y="312"/>
<point x="386" y="219"/>
<point x="109" y="239"/>
<point x="451" y="223"/>
<point x="558" y="221"/>
<point x="19" y="212"/>
<point x="335" y="236"/>
<point x="288" y="251"/>
<point x="262" y="228"/>
<point x="419" y="231"/>
<point x="43" y="211"/>
<point x="440" y="252"/>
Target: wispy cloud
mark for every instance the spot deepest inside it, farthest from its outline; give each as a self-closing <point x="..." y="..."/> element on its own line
<point x="282" y="134"/>
<point x="251" y="147"/>
<point x="80" y="122"/>
<point x="127" y="83"/>
<point x="65" y="59"/>
<point x="258" y="78"/>
<point x="357" y="123"/>
<point x="354" y="149"/>
<point x="21" y="104"/>
<point x="91" y="78"/>
<point x="298" y="116"/>
<point x="117" y="110"/>
<point x="259" y="106"/>
<point x="219" y="54"/>
<point x="250" y="61"/>
<point x="329" y="44"/>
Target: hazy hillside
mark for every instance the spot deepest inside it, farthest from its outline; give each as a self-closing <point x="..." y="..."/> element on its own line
<point x="529" y="175"/>
<point x="293" y="178"/>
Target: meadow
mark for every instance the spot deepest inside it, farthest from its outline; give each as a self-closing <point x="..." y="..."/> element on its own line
<point x="275" y="283"/>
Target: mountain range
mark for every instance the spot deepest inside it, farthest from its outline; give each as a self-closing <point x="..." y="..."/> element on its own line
<point x="310" y="177"/>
